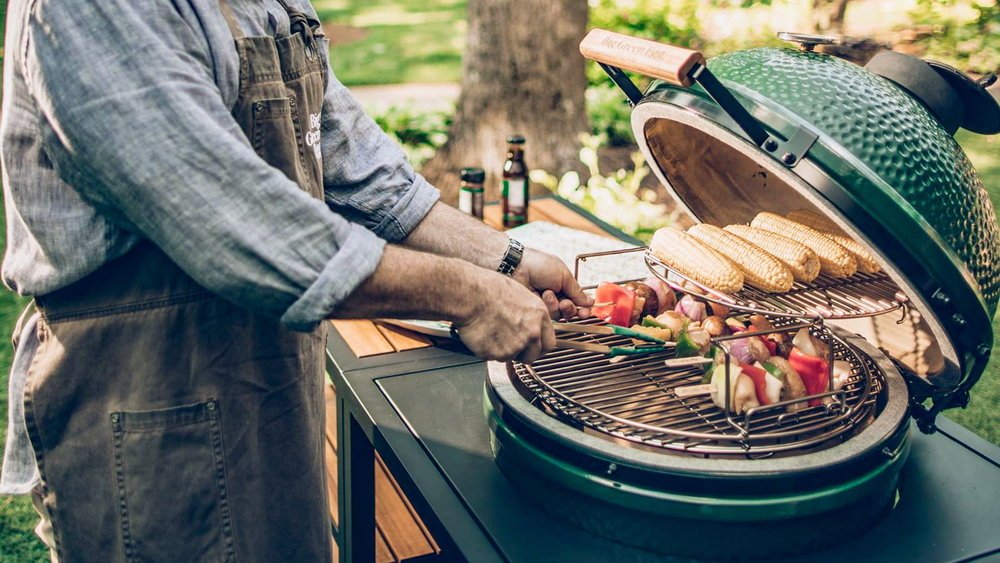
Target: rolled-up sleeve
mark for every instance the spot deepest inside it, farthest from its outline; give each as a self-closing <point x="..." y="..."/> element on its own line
<point x="137" y="125"/>
<point x="366" y="176"/>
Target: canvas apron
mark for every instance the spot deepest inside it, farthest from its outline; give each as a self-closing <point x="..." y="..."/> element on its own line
<point x="170" y="424"/>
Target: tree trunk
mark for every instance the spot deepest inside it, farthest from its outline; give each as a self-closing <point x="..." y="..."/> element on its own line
<point x="828" y="15"/>
<point x="522" y="73"/>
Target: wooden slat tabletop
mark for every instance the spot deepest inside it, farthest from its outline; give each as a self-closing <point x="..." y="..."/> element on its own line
<point x="366" y="338"/>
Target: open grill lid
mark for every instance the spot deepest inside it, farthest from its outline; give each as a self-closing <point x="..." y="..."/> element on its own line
<point x="783" y="129"/>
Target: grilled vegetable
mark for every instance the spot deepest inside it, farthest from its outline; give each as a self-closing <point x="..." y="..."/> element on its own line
<point x="665" y="297"/>
<point x="841" y="373"/>
<point x="834" y="260"/>
<point x="646" y="300"/>
<point x="691" y="308"/>
<point x="714" y="326"/>
<point x="866" y="261"/>
<point x="673" y="320"/>
<point x="735" y="325"/>
<point x="810" y="345"/>
<point x="663" y="334"/>
<point x="803" y="262"/>
<point x="759" y="268"/>
<point x="742" y="393"/>
<point x="782" y="344"/>
<point x="814" y="372"/>
<point x="793" y="386"/>
<point x="748" y="350"/>
<point x="692" y="341"/>
<point x="693" y="259"/>
<point x="766" y="386"/>
<point x="616" y="304"/>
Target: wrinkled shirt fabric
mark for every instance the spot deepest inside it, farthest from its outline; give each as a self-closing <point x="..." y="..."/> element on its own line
<point x="117" y="128"/>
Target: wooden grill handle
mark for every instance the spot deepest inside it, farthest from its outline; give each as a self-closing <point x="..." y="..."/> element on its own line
<point x="650" y="58"/>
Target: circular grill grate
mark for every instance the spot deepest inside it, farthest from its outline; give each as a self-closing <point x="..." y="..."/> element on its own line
<point x="861" y="295"/>
<point x="633" y="400"/>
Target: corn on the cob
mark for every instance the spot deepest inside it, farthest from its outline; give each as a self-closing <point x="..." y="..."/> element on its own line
<point x="866" y="261"/>
<point x="695" y="260"/>
<point x="759" y="268"/>
<point x="834" y="260"/>
<point x="800" y="259"/>
<point x="814" y="220"/>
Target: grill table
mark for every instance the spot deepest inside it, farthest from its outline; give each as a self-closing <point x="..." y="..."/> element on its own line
<point x="421" y="409"/>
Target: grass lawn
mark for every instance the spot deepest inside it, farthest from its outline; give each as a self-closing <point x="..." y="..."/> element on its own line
<point x="394" y="41"/>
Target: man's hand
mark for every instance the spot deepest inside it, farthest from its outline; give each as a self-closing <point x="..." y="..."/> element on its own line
<point x="508" y="322"/>
<point x="559" y="290"/>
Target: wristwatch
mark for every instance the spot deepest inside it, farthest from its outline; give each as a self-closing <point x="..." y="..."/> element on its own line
<point x="511" y="258"/>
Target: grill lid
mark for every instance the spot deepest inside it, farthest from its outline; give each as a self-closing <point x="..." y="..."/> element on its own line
<point x="782" y="129"/>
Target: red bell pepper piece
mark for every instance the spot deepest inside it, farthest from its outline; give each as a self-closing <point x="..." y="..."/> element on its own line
<point x="772" y="346"/>
<point x="759" y="378"/>
<point x="813" y="371"/>
<point x="620" y="301"/>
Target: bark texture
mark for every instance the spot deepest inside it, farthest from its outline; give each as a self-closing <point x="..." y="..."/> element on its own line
<point x="522" y="73"/>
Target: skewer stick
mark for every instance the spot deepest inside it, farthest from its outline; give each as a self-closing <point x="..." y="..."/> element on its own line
<point x="694" y="390"/>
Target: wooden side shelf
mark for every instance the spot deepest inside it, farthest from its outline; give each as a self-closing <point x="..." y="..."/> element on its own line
<point x="399" y="533"/>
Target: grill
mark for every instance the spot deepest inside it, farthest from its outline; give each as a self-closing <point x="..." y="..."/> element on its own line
<point x="634" y="400"/>
<point x="610" y="445"/>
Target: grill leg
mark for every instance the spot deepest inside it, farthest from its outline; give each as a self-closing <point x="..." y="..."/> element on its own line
<point x="356" y="489"/>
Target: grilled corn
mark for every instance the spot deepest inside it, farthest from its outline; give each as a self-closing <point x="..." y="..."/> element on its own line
<point x="695" y="260"/>
<point x="834" y="260"/>
<point x="866" y="261"/>
<point x="759" y="268"/>
<point x="803" y="262"/>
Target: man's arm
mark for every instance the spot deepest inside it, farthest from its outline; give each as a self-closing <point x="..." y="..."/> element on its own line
<point x="449" y="232"/>
<point x="496" y="317"/>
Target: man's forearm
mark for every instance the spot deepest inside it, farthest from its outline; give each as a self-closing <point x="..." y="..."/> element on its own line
<point x="446" y="231"/>
<point x="414" y="285"/>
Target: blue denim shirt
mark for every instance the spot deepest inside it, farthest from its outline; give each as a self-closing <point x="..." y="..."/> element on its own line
<point x="117" y="127"/>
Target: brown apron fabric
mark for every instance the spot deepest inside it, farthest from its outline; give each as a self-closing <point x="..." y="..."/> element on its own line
<point x="170" y="424"/>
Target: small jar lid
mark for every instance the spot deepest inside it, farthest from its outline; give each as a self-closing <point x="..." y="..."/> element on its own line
<point x="473" y="175"/>
<point x="516" y="139"/>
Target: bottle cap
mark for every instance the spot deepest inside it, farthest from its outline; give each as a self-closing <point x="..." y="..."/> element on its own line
<point x="516" y="139"/>
<point x="473" y="175"/>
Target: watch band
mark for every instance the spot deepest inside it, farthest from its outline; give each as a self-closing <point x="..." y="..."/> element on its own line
<point x="511" y="258"/>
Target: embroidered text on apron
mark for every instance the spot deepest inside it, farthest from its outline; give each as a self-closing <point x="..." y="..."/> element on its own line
<point x="169" y="424"/>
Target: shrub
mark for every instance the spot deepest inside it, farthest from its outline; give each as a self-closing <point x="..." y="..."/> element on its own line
<point x="618" y="199"/>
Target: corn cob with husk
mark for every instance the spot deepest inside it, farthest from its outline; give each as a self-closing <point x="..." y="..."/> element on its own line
<point x="834" y="260"/>
<point x="759" y="268"/>
<point x="800" y="259"/>
<point x="690" y="257"/>
<point x="866" y="261"/>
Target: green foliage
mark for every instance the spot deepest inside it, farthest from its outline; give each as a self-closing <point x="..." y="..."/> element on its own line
<point x="610" y="114"/>
<point x="419" y="133"/>
<point x="618" y="199"/>
<point x="394" y="41"/>
<point x="972" y="45"/>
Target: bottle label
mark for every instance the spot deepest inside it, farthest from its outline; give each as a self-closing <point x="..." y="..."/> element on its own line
<point x="465" y="201"/>
<point x="516" y="192"/>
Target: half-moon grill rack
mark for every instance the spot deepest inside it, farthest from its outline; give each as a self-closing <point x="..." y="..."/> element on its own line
<point x="634" y="401"/>
<point x="861" y="295"/>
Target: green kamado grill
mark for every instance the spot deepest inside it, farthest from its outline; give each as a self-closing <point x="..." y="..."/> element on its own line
<point x="611" y="447"/>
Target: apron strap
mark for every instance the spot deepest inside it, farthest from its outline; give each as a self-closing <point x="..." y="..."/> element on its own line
<point x="309" y="26"/>
<point x="234" y="26"/>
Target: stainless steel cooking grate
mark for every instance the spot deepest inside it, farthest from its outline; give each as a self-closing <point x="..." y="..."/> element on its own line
<point x="633" y="400"/>
<point x="861" y="295"/>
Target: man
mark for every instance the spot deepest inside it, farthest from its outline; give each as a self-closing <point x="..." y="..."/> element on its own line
<point x="185" y="184"/>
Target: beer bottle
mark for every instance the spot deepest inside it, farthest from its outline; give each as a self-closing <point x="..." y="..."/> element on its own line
<point x="470" y="193"/>
<point x="514" y="194"/>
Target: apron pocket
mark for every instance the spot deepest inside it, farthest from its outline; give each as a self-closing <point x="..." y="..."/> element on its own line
<point x="171" y="478"/>
<point x="274" y="135"/>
